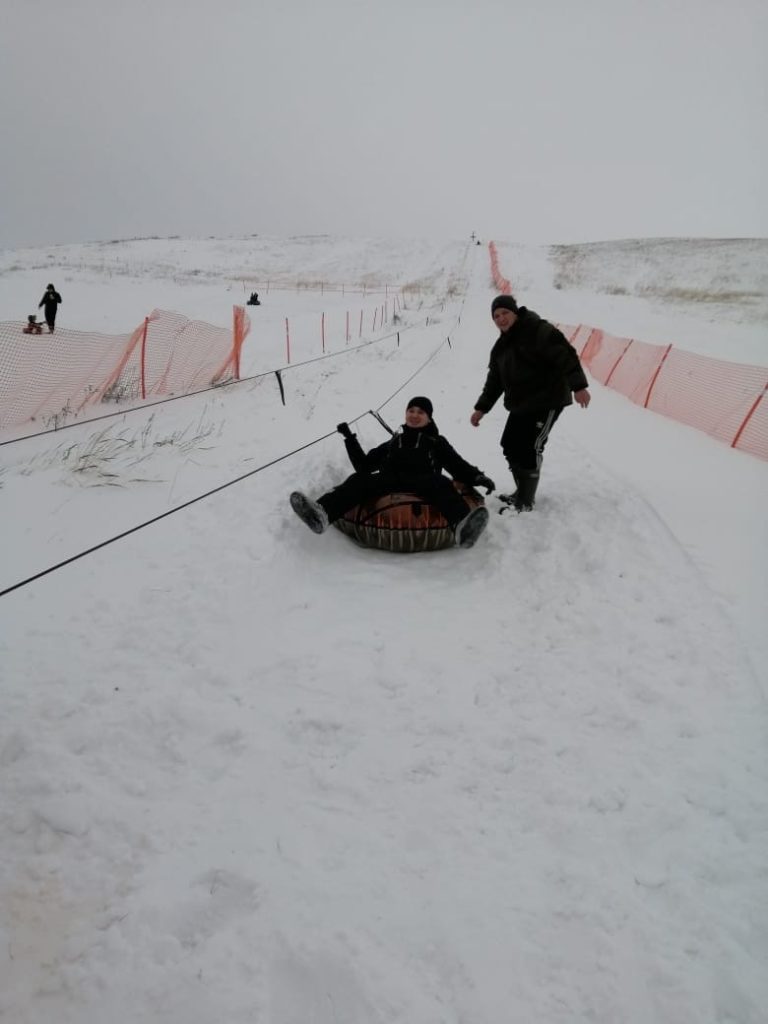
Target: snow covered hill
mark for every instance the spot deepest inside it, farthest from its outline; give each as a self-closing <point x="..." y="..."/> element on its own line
<point x="251" y="774"/>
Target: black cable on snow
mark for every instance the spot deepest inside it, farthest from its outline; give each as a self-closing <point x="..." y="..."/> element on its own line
<point x="382" y="421"/>
<point x="164" y="515"/>
<point x="212" y="387"/>
<point x="122" y="412"/>
<point x="407" y="382"/>
<point x="221" y="487"/>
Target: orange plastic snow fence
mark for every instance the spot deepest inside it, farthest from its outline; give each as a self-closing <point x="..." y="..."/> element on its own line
<point x="501" y="283"/>
<point x="726" y="400"/>
<point x="49" y="379"/>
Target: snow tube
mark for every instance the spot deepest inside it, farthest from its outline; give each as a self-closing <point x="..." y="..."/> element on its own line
<point x="402" y="522"/>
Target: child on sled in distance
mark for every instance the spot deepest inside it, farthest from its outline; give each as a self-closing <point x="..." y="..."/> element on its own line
<point x="413" y="460"/>
<point x="33" y="327"/>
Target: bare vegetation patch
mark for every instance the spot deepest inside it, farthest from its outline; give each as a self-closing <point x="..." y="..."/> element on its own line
<point x="730" y="272"/>
<point x="414" y="288"/>
<point x="457" y="285"/>
<point x="114" y="458"/>
<point x="699" y="295"/>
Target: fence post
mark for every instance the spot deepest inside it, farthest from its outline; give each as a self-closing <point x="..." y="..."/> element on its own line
<point x="322" y="329"/>
<point x="593" y="332"/>
<point x="626" y="349"/>
<point x="236" y="342"/>
<point x="287" y="341"/>
<point x="360" y="332"/>
<point x="144" y="358"/>
<point x="749" y="416"/>
<point x="347" y="334"/>
<point x="658" y="371"/>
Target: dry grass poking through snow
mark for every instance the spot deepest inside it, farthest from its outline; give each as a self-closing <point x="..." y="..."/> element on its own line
<point x="114" y="457"/>
<point x="730" y="273"/>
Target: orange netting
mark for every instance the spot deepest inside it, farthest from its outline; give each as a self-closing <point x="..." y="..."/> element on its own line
<point x="501" y="283"/>
<point x="715" y="396"/>
<point x="50" y="378"/>
<point x="726" y="400"/>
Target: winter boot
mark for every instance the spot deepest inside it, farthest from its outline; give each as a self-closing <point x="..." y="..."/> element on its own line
<point x="525" y="497"/>
<point x="310" y="512"/>
<point x="509" y="499"/>
<point x="471" y="526"/>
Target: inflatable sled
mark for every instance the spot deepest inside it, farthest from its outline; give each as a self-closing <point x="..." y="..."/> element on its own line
<point x="402" y="522"/>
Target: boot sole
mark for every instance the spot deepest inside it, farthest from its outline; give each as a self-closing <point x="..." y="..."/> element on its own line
<point x="303" y="509"/>
<point x="474" y="527"/>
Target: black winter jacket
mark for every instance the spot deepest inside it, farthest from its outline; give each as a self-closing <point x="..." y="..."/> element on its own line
<point x="412" y="453"/>
<point x="534" y="366"/>
<point x="50" y="300"/>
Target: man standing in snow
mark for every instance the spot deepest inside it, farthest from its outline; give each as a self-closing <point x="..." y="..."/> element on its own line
<point x="537" y="370"/>
<point x="50" y="300"/>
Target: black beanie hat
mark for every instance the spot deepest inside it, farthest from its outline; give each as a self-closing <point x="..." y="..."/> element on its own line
<point x="504" y="302"/>
<point x="421" y="403"/>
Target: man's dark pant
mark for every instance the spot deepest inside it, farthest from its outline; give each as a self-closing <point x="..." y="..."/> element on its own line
<point x="525" y="436"/>
<point x="434" y="489"/>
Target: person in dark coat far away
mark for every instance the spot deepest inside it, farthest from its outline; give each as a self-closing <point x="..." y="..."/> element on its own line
<point x="412" y="461"/>
<point x="537" y="370"/>
<point x="50" y="301"/>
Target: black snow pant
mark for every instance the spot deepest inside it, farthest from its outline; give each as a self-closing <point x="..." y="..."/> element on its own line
<point x="434" y="489"/>
<point x="50" y="315"/>
<point x="525" y="436"/>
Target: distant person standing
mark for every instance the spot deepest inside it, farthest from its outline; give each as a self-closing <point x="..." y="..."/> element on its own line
<point x="537" y="370"/>
<point x="50" y="301"/>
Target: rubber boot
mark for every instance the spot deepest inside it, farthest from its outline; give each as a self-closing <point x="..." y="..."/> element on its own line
<point x="525" y="498"/>
<point x="509" y="499"/>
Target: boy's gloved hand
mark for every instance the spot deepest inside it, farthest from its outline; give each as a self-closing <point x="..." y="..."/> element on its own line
<point x="481" y="480"/>
<point x="343" y="429"/>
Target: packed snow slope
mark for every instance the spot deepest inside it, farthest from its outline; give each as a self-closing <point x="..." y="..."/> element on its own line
<point x="252" y="774"/>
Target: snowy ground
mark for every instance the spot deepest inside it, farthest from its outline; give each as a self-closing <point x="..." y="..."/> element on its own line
<point x="250" y="774"/>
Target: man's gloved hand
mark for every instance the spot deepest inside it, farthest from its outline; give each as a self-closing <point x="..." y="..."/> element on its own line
<point x="343" y="429"/>
<point x="481" y="480"/>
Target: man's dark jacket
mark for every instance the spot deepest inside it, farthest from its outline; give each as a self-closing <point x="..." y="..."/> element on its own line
<point x="534" y="366"/>
<point x="412" y="453"/>
<point x="50" y="300"/>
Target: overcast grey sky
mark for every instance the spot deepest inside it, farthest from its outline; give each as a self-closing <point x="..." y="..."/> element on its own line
<point x="530" y="120"/>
